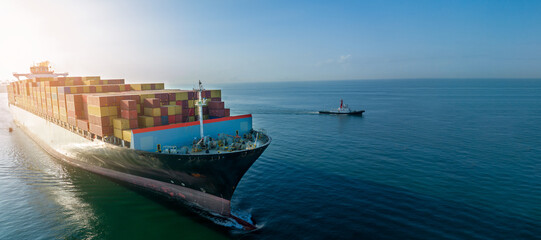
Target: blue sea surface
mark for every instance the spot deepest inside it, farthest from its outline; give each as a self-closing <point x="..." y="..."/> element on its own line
<point x="429" y="159"/>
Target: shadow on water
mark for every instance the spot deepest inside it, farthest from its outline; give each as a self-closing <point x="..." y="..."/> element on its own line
<point x="182" y="210"/>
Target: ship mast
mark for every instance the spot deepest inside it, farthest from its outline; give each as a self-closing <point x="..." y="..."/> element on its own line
<point x="200" y="103"/>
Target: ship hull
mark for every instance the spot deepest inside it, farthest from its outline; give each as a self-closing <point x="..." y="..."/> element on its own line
<point x="343" y="113"/>
<point x="204" y="181"/>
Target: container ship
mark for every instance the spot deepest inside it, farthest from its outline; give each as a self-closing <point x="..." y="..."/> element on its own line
<point x="179" y="144"/>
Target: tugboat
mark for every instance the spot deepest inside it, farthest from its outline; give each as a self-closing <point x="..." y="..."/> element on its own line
<point x="343" y="110"/>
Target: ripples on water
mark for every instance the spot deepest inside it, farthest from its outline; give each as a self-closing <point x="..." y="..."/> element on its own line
<point x="445" y="159"/>
<point x="430" y="159"/>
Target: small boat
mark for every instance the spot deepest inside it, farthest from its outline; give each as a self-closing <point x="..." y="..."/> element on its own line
<point x="343" y="109"/>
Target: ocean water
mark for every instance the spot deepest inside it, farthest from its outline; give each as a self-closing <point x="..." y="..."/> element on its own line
<point x="430" y="159"/>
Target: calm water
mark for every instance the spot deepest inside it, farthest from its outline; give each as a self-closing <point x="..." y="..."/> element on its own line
<point x="431" y="159"/>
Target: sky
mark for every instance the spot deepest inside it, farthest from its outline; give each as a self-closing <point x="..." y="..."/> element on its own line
<point x="263" y="41"/>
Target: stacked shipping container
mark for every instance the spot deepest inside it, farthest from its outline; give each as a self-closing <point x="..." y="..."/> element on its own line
<point x="109" y="107"/>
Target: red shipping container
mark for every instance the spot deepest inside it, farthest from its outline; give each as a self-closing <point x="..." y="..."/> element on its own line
<point x="128" y="105"/>
<point x="163" y="111"/>
<point x="135" y="98"/>
<point x="206" y="94"/>
<point x="217" y="113"/>
<point x="80" y="89"/>
<point x="102" y="121"/>
<point x="172" y="97"/>
<point x="157" y="121"/>
<point x="216" y="99"/>
<point x="113" y="88"/>
<point x="128" y="114"/>
<point x="188" y="111"/>
<point x="151" y="103"/>
<point x="134" y="123"/>
<point x="102" y="101"/>
<point x="82" y="124"/>
<point x="216" y="105"/>
<point x="178" y="118"/>
<point x="227" y="113"/>
<point x="164" y="97"/>
<point x="114" y="81"/>
<point x="171" y="119"/>
<point x="100" y="130"/>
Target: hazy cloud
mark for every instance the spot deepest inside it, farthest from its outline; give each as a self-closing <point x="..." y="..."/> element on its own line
<point x="343" y="59"/>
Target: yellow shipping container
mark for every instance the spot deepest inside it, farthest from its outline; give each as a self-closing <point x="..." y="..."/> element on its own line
<point x="145" y="121"/>
<point x="102" y="111"/>
<point x="138" y="107"/>
<point x="141" y="86"/>
<point x="170" y="110"/>
<point x="153" y="112"/>
<point x="91" y="78"/>
<point x="160" y="86"/>
<point x="86" y="89"/>
<point x="191" y="104"/>
<point x="215" y="93"/>
<point x="113" y="111"/>
<point x="145" y="96"/>
<point x="181" y="96"/>
<point x="121" y="123"/>
<point x="126" y="135"/>
<point x="99" y="89"/>
<point x="97" y="111"/>
<point x="91" y="82"/>
<point x="136" y="87"/>
<point x="118" y="133"/>
<point x="191" y="119"/>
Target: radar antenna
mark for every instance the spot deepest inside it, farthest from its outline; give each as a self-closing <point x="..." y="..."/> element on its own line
<point x="200" y="103"/>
